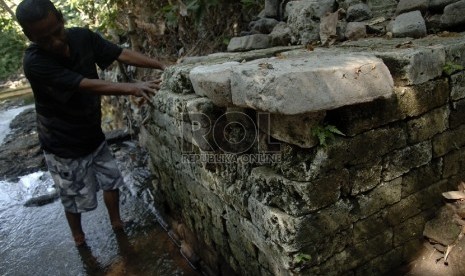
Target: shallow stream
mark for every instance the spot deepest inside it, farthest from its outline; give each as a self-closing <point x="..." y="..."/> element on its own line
<point x="37" y="241"/>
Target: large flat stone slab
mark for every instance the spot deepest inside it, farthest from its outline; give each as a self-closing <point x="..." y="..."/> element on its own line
<point x="311" y="83"/>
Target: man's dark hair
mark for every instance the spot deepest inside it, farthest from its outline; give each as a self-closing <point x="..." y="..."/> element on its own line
<point x="30" y="11"/>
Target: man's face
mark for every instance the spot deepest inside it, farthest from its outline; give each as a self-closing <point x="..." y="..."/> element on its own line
<point x="49" y="34"/>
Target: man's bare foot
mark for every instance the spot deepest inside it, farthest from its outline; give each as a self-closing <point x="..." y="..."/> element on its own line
<point x="79" y="239"/>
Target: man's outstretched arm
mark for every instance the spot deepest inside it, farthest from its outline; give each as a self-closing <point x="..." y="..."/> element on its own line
<point x="139" y="60"/>
<point x="101" y="87"/>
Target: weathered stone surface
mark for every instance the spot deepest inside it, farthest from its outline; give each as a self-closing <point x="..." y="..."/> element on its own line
<point x="402" y="161"/>
<point x="415" y="66"/>
<point x="301" y="17"/>
<point x="383" y="264"/>
<point x="454" y="14"/>
<point x="382" y="7"/>
<point x="439" y="5"/>
<point x="366" y="148"/>
<point x="428" y="125"/>
<point x="453" y="162"/>
<point x="281" y="35"/>
<point x="358" y="12"/>
<point x="420" y="178"/>
<point x="263" y="25"/>
<point x="355" y="119"/>
<point x="355" y="31"/>
<point x="457" y="116"/>
<point x="417" y="100"/>
<point x="214" y="82"/>
<point x="442" y="229"/>
<point x="249" y="42"/>
<point x="319" y="82"/>
<point x="272" y="8"/>
<point x="405" y="6"/>
<point x="332" y="203"/>
<point x="295" y="129"/>
<point x="274" y="190"/>
<point x="364" y="179"/>
<point x="408" y="230"/>
<point x="409" y="24"/>
<point x="448" y="141"/>
<point x="176" y="79"/>
<point x="457" y="86"/>
<point x="384" y="195"/>
<point x="370" y="227"/>
<point x="354" y="256"/>
<point x="345" y="4"/>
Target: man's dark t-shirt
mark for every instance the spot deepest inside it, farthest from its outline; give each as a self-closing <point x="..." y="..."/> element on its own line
<point x="68" y="120"/>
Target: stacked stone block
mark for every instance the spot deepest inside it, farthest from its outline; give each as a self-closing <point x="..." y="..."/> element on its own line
<point x="356" y="206"/>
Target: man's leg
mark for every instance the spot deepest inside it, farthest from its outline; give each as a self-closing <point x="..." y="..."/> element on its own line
<point x="111" y="199"/>
<point x="74" y="222"/>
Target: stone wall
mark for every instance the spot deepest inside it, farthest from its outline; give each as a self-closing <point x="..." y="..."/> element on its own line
<point x="353" y="205"/>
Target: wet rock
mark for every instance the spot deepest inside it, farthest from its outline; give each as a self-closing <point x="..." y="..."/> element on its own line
<point x="21" y="153"/>
<point x="409" y="24"/>
<point x="41" y="200"/>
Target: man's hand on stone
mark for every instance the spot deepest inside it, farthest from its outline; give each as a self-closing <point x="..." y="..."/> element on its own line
<point x="146" y="89"/>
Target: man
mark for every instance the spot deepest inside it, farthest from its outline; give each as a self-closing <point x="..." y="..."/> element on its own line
<point x="60" y="65"/>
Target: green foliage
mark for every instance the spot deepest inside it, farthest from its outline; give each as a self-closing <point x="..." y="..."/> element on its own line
<point x="252" y="4"/>
<point x="451" y="68"/>
<point x="12" y="43"/>
<point x="190" y="8"/>
<point x="325" y="133"/>
<point x="11" y="53"/>
<point x="302" y="259"/>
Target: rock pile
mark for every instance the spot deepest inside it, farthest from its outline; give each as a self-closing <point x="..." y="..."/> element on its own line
<point x="302" y="22"/>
